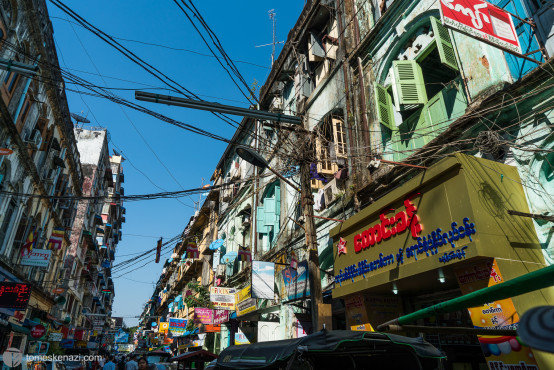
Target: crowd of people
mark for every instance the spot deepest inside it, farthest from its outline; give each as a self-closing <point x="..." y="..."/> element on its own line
<point x="131" y="362"/>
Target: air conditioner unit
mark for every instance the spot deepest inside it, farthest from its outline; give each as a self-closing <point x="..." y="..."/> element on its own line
<point x="220" y="272"/>
<point x="329" y="191"/>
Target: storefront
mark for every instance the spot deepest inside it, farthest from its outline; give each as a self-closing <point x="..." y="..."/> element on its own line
<point x="444" y="233"/>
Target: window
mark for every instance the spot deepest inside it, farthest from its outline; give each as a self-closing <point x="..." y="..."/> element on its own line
<point x="423" y="97"/>
<point x="7" y="221"/>
<point x="331" y="145"/>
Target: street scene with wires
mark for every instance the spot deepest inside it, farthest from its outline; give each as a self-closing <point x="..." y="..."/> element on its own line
<point x="319" y="184"/>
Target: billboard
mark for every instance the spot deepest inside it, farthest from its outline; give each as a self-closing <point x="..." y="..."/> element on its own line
<point x="177" y="327"/>
<point x="263" y="279"/>
<point x="223" y="298"/>
<point x="481" y="20"/>
<point x="296" y="281"/>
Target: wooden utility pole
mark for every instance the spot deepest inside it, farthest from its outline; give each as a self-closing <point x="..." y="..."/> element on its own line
<point x="307" y="200"/>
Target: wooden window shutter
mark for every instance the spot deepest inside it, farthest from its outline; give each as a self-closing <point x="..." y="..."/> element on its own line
<point x="444" y="44"/>
<point x="339" y="137"/>
<point x="408" y="86"/>
<point x="269" y="208"/>
<point x="260" y="219"/>
<point x="316" y="51"/>
<point x="324" y="164"/>
<point x="383" y="102"/>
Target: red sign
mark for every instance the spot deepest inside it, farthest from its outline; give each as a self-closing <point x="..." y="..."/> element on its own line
<point x="14" y="295"/>
<point x="388" y="227"/>
<point x="481" y="20"/>
<point x="5" y="151"/>
<point x="38" y="331"/>
<point x="58" y="290"/>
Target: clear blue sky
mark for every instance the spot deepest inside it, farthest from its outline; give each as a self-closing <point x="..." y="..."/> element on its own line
<point x="188" y="158"/>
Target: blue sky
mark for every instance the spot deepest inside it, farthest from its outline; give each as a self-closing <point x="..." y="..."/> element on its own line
<point x="159" y="155"/>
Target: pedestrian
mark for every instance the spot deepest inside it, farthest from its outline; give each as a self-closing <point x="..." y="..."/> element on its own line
<point x="121" y="363"/>
<point x="110" y="365"/>
<point x="132" y="363"/>
<point x="143" y="364"/>
<point x="101" y="362"/>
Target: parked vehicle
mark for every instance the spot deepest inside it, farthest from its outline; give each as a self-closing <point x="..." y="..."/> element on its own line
<point x="338" y="349"/>
<point x="74" y="365"/>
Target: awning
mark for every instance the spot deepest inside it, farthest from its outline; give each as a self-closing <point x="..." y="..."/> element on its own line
<point x="20" y="329"/>
<point x="201" y="355"/>
<point x="215" y="245"/>
<point x="229" y="257"/>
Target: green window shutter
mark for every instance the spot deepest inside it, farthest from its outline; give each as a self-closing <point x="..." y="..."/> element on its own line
<point x="444" y="44"/>
<point x="269" y="208"/>
<point x="277" y="200"/>
<point x="383" y="102"/>
<point x="408" y="86"/>
<point x="260" y="218"/>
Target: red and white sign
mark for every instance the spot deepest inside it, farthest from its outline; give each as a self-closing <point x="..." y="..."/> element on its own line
<point x="481" y="20"/>
<point x="341" y="247"/>
<point x="38" y="331"/>
<point x="5" y="151"/>
<point x="37" y="257"/>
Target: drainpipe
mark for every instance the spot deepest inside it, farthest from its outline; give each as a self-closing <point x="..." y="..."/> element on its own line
<point x="22" y="99"/>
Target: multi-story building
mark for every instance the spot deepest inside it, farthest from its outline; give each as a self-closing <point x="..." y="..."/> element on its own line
<point x="41" y="162"/>
<point x="405" y="123"/>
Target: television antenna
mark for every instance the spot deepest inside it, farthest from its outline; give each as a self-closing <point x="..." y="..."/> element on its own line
<point x="78" y="118"/>
<point x="272" y="17"/>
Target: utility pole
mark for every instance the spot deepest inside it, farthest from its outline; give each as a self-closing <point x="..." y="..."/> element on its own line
<point x="307" y="199"/>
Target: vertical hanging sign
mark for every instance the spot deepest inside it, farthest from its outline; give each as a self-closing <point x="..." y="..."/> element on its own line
<point x="158" y="250"/>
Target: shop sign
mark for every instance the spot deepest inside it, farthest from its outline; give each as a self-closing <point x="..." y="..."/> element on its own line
<point x="241" y="338"/>
<point x="58" y="290"/>
<point x="296" y="281"/>
<point x="244" y="293"/>
<point x="356" y="313"/>
<point x="38" y="331"/>
<point x="223" y="298"/>
<point x="67" y="343"/>
<point x="501" y="352"/>
<point x="203" y="315"/>
<point x="164" y="326"/>
<point x="37" y="257"/>
<point x="14" y="295"/>
<point x="481" y="20"/>
<point x="263" y="279"/>
<point x="425" y="247"/>
<point x="5" y="151"/>
<point x="55" y="337"/>
<point x="216" y="259"/>
<point x="220" y="316"/>
<point x="38" y="348"/>
<point x="246" y="306"/>
<point x="177" y="327"/>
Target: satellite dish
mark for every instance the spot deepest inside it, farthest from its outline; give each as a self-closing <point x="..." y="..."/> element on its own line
<point x="79" y="118"/>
